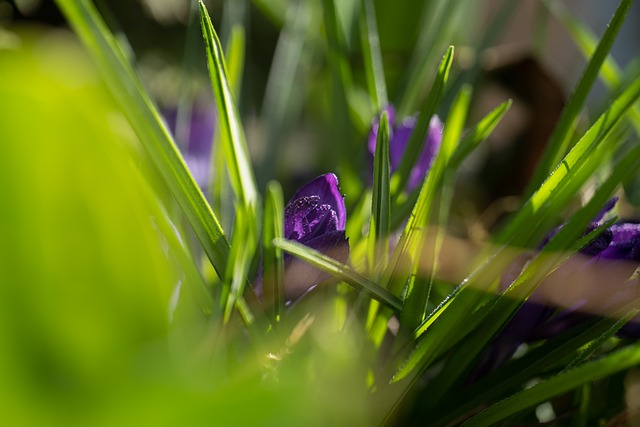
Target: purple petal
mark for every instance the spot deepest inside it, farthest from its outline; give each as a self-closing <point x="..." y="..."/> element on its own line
<point x="431" y="147"/>
<point x="325" y="188"/>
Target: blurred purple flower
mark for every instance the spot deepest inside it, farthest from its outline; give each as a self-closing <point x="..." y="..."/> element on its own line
<point x="399" y="137"/>
<point x="195" y="140"/>
<point x="535" y="321"/>
<point x="316" y="217"/>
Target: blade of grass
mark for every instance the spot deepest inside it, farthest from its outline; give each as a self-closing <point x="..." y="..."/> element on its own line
<point x="544" y="391"/>
<point x="416" y="140"/>
<point x="380" y="204"/>
<point x="273" y="261"/>
<point x="559" y="141"/>
<point x="242" y="250"/>
<point x="235" y="57"/>
<point x="555" y="352"/>
<point x="416" y="300"/>
<point x="341" y="271"/>
<point x="610" y="73"/>
<point x="374" y="69"/>
<point x="231" y="132"/>
<point x="148" y="125"/>
<point x="527" y="227"/>
<point x="473" y="138"/>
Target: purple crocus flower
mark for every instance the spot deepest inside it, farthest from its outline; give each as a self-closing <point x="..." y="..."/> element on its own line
<point x="316" y="217"/>
<point x="195" y="140"/>
<point x="535" y="321"/>
<point x="399" y="137"/>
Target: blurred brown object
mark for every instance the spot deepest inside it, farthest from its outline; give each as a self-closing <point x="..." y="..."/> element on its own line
<point x="518" y="142"/>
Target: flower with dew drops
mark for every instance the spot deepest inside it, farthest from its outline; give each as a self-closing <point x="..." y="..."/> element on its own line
<point x="399" y="138"/>
<point x="316" y="217"/>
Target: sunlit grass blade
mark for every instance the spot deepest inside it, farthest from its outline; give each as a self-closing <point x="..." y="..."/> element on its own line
<point x="285" y="91"/>
<point x="235" y="57"/>
<point x="243" y="245"/>
<point x="559" y="141"/>
<point x="490" y="318"/>
<point x="528" y="226"/>
<point x="340" y="271"/>
<point x="543" y="391"/>
<point x="231" y="132"/>
<point x="416" y="299"/>
<point x="273" y="260"/>
<point x="380" y="203"/>
<point x="373" y="66"/>
<point x="416" y="140"/>
<point x="610" y="73"/>
<point x="148" y="125"/>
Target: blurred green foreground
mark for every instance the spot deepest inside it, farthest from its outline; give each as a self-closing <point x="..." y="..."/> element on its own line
<point x="87" y="332"/>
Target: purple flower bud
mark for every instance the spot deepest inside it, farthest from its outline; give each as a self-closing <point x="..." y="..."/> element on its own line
<point x="535" y="321"/>
<point x="399" y="138"/>
<point x="316" y="217"/>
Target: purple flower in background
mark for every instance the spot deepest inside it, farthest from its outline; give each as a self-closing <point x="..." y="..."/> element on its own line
<point x="536" y="321"/>
<point x="399" y="137"/>
<point x="316" y="217"/>
<point x="195" y="140"/>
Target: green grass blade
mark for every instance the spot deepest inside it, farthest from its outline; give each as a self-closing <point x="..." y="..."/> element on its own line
<point x="340" y="271"/>
<point x="472" y="139"/>
<point x="610" y="73"/>
<point x="380" y="203"/>
<point x="235" y="57"/>
<point x="243" y="245"/>
<point x="148" y="125"/>
<point x="559" y="141"/>
<point x="416" y="299"/>
<point x="561" y="185"/>
<point x="373" y="66"/>
<point x="542" y="392"/>
<point x="416" y="140"/>
<point x="231" y="131"/>
<point x="273" y="260"/>
<point x="555" y="352"/>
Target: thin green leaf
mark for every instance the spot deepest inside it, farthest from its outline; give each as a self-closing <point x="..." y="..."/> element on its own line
<point x="610" y="73"/>
<point x="145" y="120"/>
<point x="416" y="299"/>
<point x="231" y="131"/>
<point x="561" y="137"/>
<point x="243" y="245"/>
<point x="380" y="203"/>
<point x="555" y="352"/>
<point x="273" y="260"/>
<point x="532" y="221"/>
<point x="557" y="385"/>
<point x="341" y="271"/>
<point x="416" y="140"/>
<point x="374" y="69"/>
<point x="234" y="55"/>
